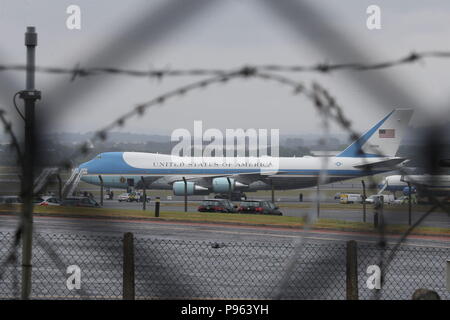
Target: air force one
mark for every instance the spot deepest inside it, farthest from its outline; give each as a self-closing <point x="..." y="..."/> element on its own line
<point x="374" y="152"/>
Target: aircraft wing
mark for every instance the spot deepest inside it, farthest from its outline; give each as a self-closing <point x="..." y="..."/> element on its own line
<point x="206" y="180"/>
<point x="245" y="178"/>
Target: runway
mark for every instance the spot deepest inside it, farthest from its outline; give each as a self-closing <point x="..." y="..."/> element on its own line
<point x="196" y="260"/>
<point x="198" y="231"/>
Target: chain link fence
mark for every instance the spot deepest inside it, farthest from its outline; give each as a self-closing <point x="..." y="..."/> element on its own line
<point x="188" y="269"/>
<point x="179" y="269"/>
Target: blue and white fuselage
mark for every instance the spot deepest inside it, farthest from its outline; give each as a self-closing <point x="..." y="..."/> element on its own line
<point x="116" y="168"/>
<point x="372" y="153"/>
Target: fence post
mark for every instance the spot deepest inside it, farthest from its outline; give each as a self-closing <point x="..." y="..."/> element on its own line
<point x="101" y="189"/>
<point x="409" y="204"/>
<point x="185" y="194"/>
<point x="30" y="95"/>
<point x="144" y="204"/>
<point x="128" y="267"/>
<point x="318" y="200"/>
<point x="448" y="275"/>
<point x="157" y="202"/>
<point x="229" y="188"/>
<point x="273" y="191"/>
<point x="364" y="200"/>
<point x="352" y="271"/>
<point x="59" y="187"/>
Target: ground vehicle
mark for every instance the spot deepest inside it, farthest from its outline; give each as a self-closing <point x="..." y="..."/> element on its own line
<point x="128" y="197"/>
<point x="217" y="205"/>
<point x="405" y="200"/>
<point x="50" y="201"/>
<point x="132" y="197"/>
<point x="338" y="195"/>
<point x="350" y="198"/>
<point x="80" y="202"/>
<point x="387" y="198"/>
<point x="259" y="206"/>
<point x="235" y="196"/>
<point x="10" y="200"/>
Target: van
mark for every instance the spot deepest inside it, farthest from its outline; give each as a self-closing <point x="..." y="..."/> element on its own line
<point x="387" y="198"/>
<point x="350" y="198"/>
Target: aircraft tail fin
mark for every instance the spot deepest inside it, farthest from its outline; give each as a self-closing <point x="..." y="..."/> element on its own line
<point x="383" y="139"/>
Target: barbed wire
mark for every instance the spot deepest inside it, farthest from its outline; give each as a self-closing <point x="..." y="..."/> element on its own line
<point x="326" y="104"/>
<point x="318" y="95"/>
<point x="140" y="109"/>
<point x="328" y="67"/>
<point x="321" y="99"/>
<point x="83" y="72"/>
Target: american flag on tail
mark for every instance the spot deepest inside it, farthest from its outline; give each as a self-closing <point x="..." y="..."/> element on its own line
<point x="386" y="133"/>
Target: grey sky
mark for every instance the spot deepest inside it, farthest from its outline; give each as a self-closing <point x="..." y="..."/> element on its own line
<point x="230" y="34"/>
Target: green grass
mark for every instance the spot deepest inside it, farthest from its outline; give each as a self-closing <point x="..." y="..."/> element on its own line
<point x="242" y="219"/>
<point x="326" y="206"/>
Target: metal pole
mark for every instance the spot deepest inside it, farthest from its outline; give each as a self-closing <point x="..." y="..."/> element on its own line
<point x="364" y="200"/>
<point x="30" y="95"/>
<point x="409" y="204"/>
<point x="157" y="203"/>
<point x="448" y="275"/>
<point x="381" y="223"/>
<point x="101" y="190"/>
<point x="352" y="271"/>
<point x="229" y="188"/>
<point x="185" y="194"/>
<point x="144" y="205"/>
<point x="59" y="187"/>
<point x="375" y="219"/>
<point x="318" y="201"/>
<point x="128" y="267"/>
<point x="273" y="191"/>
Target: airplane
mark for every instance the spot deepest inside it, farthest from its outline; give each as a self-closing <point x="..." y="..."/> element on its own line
<point x="422" y="184"/>
<point x="373" y="153"/>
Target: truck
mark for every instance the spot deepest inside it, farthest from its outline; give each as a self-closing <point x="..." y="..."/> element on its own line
<point x="350" y="198"/>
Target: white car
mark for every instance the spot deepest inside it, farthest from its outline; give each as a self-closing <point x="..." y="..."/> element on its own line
<point x="10" y="200"/>
<point x="132" y="197"/>
<point x="50" y="201"/>
<point x="405" y="200"/>
<point x="123" y="197"/>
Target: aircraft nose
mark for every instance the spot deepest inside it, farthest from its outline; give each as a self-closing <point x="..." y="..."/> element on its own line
<point x="85" y="165"/>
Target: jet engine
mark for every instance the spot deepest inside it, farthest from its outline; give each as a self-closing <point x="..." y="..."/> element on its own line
<point x="192" y="189"/>
<point x="221" y="185"/>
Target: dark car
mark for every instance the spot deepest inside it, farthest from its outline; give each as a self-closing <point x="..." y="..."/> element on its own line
<point x="260" y="207"/>
<point x="10" y="200"/>
<point x="80" y="202"/>
<point x="217" y="205"/>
